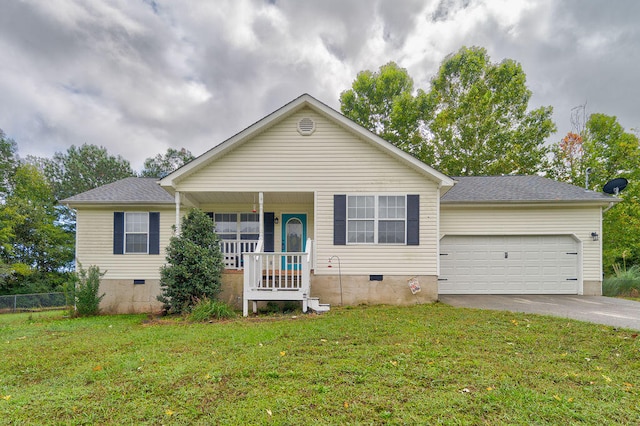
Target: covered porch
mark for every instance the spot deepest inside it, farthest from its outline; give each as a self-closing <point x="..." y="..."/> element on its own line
<point x="267" y="236"/>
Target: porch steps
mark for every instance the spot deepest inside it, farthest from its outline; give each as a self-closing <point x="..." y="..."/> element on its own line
<point x="314" y="304"/>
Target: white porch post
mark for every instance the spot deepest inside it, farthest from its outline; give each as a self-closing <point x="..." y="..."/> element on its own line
<point x="261" y="201"/>
<point x="177" y="200"/>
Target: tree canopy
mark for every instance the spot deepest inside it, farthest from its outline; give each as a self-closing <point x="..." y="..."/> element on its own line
<point x="83" y="168"/>
<point x="474" y="120"/>
<point x="161" y="165"/>
<point x="35" y="248"/>
<point x="608" y="151"/>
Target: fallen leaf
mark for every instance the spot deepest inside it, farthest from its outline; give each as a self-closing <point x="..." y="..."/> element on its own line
<point x="97" y="368"/>
<point x="323" y="340"/>
<point x="6" y="397"/>
<point x="556" y="397"/>
<point x="21" y="338"/>
<point x="269" y="412"/>
<point x="394" y="363"/>
<point x="346" y="404"/>
<point x="570" y="400"/>
<point x="169" y="413"/>
<point x="283" y="353"/>
<point x="489" y="388"/>
<point x="608" y="379"/>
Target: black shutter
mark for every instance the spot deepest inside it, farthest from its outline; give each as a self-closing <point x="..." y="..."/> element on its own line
<point x="269" y="233"/>
<point x="413" y="220"/>
<point x="339" y="220"/>
<point x="118" y="232"/>
<point x="154" y="233"/>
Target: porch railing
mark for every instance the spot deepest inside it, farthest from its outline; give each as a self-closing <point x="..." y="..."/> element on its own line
<point x="276" y="276"/>
<point x="232" y="251"/>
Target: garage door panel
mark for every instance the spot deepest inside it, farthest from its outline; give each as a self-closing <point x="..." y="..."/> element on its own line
<point x="509" y="265"/>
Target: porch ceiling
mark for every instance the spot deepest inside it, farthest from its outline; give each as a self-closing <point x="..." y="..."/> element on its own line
<point x="252" y="197"/>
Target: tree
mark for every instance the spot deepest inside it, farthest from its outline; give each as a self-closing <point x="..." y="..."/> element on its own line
<point x="477" y="118"/>
<point x="161" y="165"/>
<point x="8" y="162"/>
<point x="194" y="264"/>
<point x="566" y="162"/>
<point x="84" y="168"/>
<point x="601" y="145"/>
<point x="611" y="152"/>
<point x="474" y="120"/>
<point x="38" y="251"/>
<point x="383" y="102"/>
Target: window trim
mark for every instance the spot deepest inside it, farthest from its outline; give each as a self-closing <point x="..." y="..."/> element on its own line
<point x="376" y="219"/>
<point x="126" y="233"/>
<point x="239" y="221"/>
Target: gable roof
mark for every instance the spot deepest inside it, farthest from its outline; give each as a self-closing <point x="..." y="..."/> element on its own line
<point x="275" y="117"/>
<point x="519" y="189"/>
<point x="131" y="190"/>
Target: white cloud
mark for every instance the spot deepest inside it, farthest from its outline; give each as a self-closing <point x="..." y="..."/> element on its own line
<point x="139" y="77"/>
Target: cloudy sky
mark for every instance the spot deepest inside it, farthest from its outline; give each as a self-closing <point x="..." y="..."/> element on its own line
<point x="140" y="76"/>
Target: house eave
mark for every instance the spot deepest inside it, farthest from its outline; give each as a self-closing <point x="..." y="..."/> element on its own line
<point x="522" y="203"/>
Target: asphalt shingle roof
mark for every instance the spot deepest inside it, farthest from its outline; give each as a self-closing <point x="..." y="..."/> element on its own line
<point x="127" y="190"/>
<point x="486" y="189"/>
<point x="469" y="189"/>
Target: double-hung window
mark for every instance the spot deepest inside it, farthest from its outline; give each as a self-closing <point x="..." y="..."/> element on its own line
<point x="136" y="232"/>
<point x="376" y="219"/>
<point x="228" y="227"/>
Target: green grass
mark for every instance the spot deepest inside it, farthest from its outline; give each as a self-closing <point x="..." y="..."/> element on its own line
<point x="428" y="364"/>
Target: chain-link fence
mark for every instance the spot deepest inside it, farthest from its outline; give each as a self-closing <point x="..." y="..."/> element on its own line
<point x="30" y="302"/>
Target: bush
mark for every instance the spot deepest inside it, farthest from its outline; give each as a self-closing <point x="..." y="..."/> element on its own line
<point x="81" y="292"/>
<point x="626" y="282"/>
<point x="207" y="309"/>
<point x="194" y="265"/>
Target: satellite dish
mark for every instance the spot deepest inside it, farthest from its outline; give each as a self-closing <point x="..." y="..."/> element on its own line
<point x="614" y="186"/>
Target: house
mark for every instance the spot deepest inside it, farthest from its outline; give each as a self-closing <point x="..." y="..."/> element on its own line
<point x="311" y="206"/>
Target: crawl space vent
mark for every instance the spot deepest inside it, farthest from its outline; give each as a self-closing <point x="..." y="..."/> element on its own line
<point x="306" y="126"/>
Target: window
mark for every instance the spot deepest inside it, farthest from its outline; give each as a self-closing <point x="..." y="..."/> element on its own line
<point x="376" y="219"/>
<point x="228" y="227"/>
<point x="136" y="232"/>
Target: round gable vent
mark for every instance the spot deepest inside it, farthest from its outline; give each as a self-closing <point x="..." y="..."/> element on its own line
<point x="306" y="126"/>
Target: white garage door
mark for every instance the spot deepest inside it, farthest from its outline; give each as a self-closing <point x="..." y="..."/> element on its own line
<point x="508" y="265"/>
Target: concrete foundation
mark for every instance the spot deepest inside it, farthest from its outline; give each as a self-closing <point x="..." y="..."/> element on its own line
<point x="125" y="297"/>
<point x="592" y="288"/>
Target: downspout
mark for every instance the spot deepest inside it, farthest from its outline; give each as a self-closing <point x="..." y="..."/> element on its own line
<point x="607" y="209"/>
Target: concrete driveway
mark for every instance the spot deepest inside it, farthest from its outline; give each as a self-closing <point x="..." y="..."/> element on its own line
<point x="597" y="309"/>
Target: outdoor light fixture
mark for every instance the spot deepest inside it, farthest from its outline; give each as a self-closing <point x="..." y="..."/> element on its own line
<point x="276" y="220"/>
<point x="594" y="235"/>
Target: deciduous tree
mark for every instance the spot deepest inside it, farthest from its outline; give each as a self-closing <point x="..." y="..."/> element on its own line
<point x="83" y="168"/>
<point x="161" y="165"/>
<point x="478" y="119"/>
<point x="37" y="250"/>
<point x="383" y="102"/>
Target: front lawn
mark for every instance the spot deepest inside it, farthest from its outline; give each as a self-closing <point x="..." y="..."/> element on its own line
<point x="428" y="364"/>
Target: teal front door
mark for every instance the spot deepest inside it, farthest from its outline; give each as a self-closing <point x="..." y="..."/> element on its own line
<point x="294" y="235"/>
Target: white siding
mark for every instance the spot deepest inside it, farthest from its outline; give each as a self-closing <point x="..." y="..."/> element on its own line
<point x="94" y="239"/>
<point x="580" y="221"/>
<point x="331" y="161"/>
